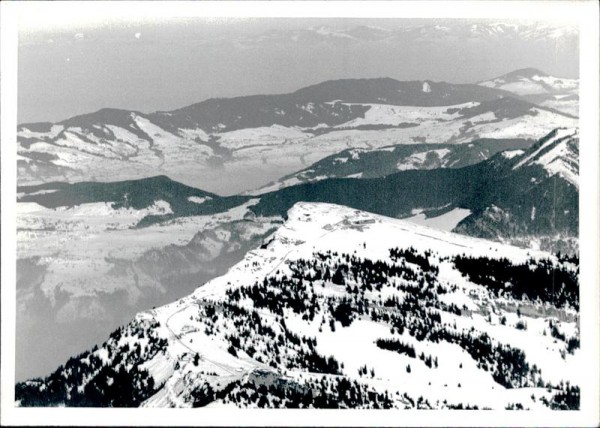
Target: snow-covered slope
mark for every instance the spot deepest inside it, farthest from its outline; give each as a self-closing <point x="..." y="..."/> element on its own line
<point x="342" y="308"/>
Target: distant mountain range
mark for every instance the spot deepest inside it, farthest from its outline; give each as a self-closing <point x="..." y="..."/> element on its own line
<point x="239" y="144"/>
<point x="424" y="33"/>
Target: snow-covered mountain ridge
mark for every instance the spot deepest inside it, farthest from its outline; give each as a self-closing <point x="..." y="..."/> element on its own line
<point x="281" y="328"/>
<point x="557" y="153"/>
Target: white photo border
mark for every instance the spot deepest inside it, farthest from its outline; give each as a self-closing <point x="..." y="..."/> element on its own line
<point x="584" y="14"/>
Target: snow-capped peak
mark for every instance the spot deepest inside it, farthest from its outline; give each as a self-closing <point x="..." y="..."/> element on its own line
<point x="557" y="153"/>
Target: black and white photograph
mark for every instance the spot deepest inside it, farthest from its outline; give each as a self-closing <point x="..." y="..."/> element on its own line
<point x="385" y="210"/>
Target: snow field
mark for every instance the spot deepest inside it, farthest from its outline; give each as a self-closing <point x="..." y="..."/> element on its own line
<point x="447" y="221"/>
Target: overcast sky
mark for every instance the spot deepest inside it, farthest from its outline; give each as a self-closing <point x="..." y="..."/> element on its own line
<point x="162" y="65"/>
